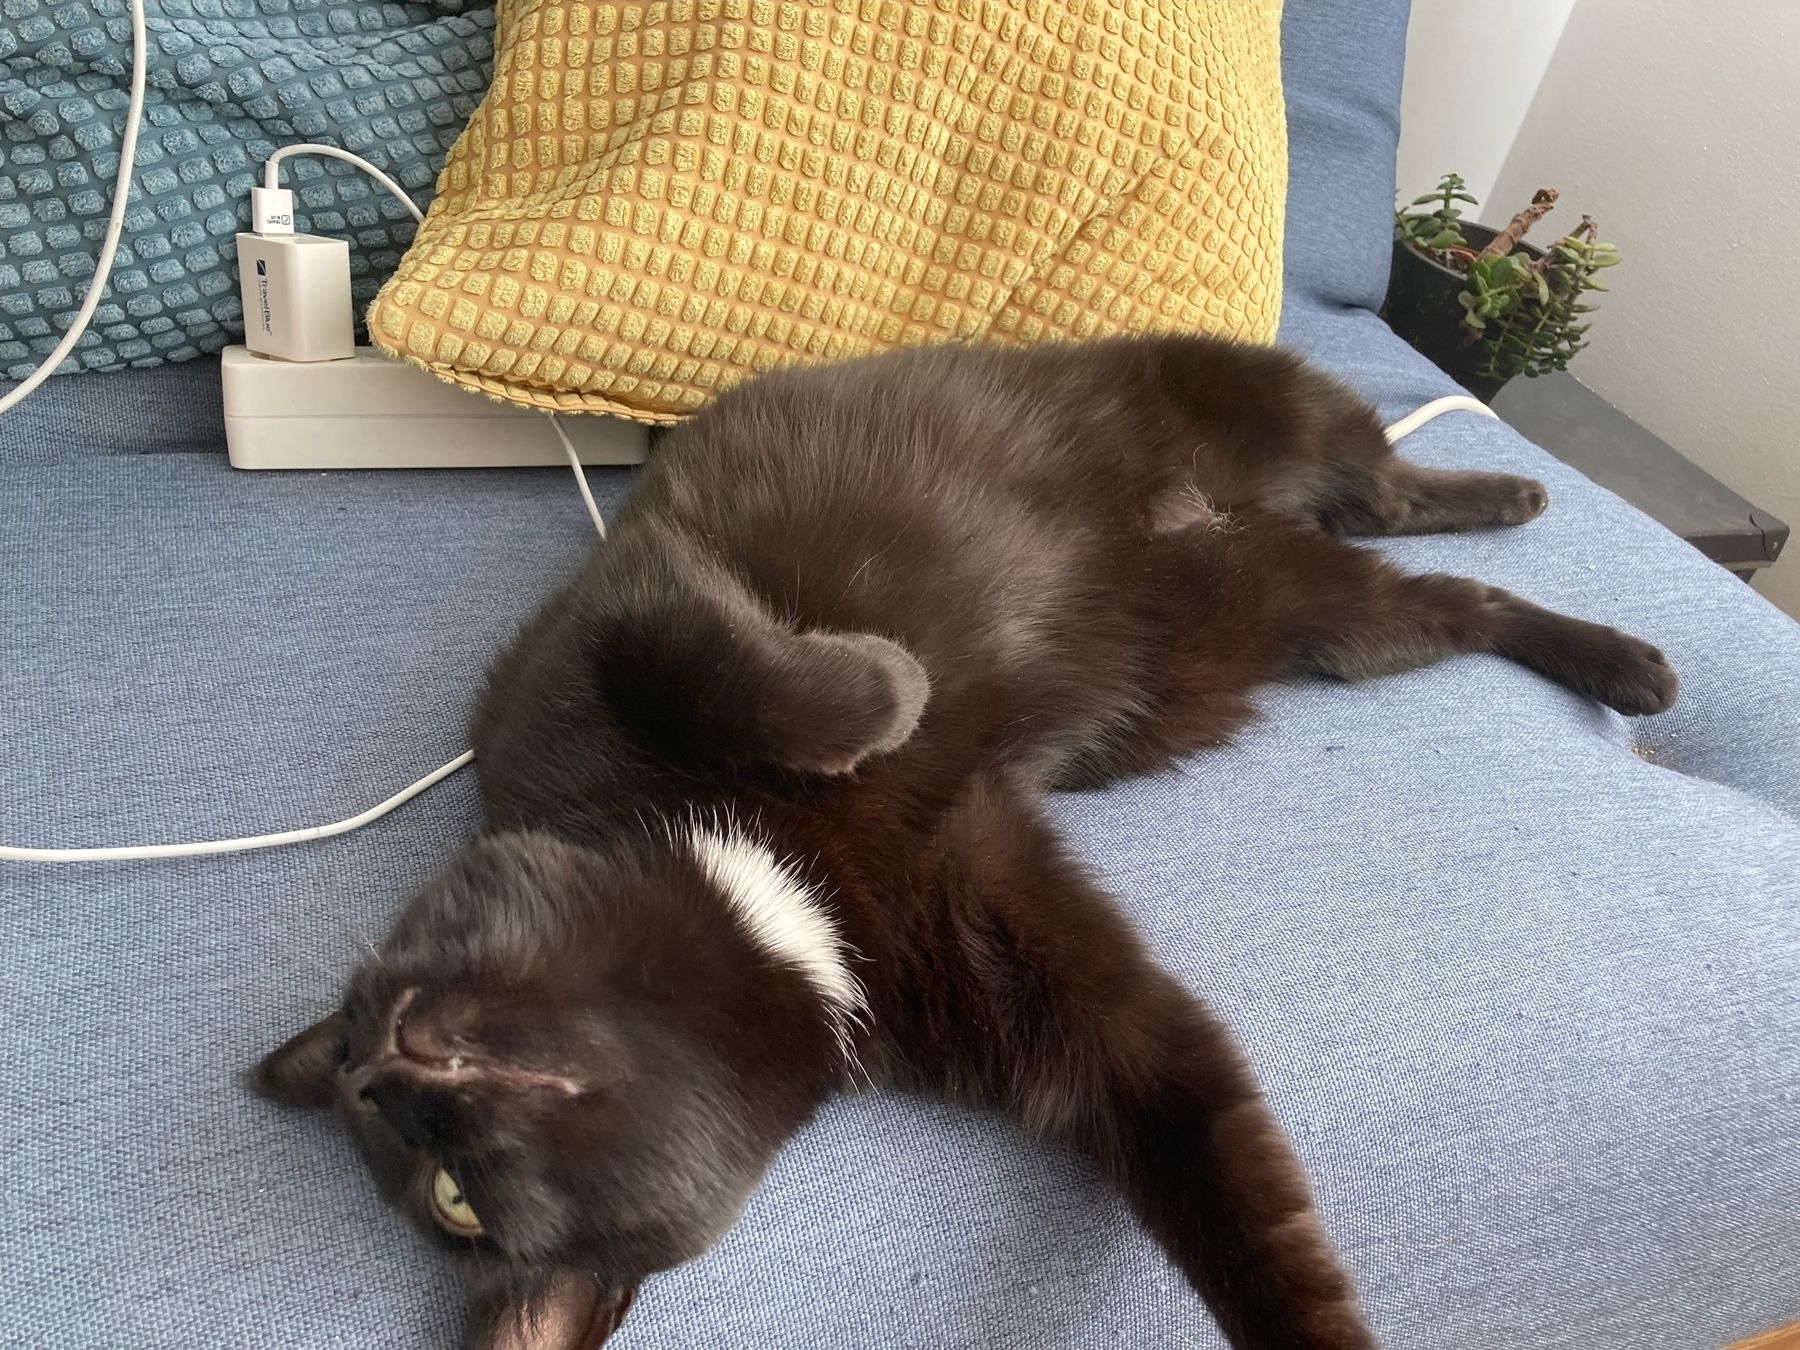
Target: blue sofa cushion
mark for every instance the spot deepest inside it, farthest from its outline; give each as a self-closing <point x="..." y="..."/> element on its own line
<point x="1341" y="65"/>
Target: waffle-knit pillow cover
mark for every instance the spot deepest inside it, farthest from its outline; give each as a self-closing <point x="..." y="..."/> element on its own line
<point x="227" y="81"/>
<point x="657" y="200"/>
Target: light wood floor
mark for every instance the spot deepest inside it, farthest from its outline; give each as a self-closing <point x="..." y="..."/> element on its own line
<point x="1782" y="1338"/>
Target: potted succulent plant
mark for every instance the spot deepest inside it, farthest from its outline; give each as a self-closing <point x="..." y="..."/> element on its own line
<point x="1483" y="304"/>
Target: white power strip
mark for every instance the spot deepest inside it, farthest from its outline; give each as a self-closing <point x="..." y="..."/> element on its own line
<point x="371" y="412"/>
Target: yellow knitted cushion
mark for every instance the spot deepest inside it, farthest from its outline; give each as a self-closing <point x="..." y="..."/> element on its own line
<point x="657" y="200"/>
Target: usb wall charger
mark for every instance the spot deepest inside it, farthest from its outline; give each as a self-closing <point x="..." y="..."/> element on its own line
<point x="296" y="291"/>
<point x="295" y="287"/>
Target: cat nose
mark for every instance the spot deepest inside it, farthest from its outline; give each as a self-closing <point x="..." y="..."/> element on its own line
<point x="357" y="1089"/>
<point x="353" y="1089"/>
<point x="411" y="1114"/>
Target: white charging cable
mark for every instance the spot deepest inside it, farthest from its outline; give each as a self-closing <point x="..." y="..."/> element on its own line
<point x="272" y="174"/>
<point x="141" y="852"/>
<point x="248" y="843"/>
<point x="587" y="495"/>
<point x="136" y="852"/>
<point x="115" y="223"/>
<point x="1427" y="412"/>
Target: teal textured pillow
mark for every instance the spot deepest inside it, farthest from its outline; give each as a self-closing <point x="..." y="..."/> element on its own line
<point x="229" y="80"/>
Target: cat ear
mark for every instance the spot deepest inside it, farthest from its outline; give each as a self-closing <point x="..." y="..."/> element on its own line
<point x="573" y="1313"/>
<point x="828" y="701"/>
<point x="708" y="684"/>
<point x="303" y="1071"/>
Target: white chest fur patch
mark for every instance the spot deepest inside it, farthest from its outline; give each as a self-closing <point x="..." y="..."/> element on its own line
<point x="783" y="916"/>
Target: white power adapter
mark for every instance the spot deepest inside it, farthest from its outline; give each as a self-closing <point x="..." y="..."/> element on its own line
<point x="295" y="287"/>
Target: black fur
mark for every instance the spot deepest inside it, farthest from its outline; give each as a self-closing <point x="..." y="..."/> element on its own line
<point x="870" y="612"/>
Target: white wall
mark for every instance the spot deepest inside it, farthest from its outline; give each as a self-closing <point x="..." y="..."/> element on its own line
<point x="1471" y="71"/>
<point x="1676" y="126"/>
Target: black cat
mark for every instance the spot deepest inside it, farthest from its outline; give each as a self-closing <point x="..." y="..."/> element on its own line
<point x="852" y="622"/>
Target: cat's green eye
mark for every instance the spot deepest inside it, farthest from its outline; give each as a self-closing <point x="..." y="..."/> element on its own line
<point x="451" y="1208"/>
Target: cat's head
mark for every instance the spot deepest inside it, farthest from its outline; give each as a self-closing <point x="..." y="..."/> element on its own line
<point x="573" y="1067"/>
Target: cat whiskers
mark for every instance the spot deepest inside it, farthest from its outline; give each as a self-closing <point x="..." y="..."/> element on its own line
<point x="357" y="946"/>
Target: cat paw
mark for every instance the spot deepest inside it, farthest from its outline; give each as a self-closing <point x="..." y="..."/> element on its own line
<point x="1524" y="500"/>
<point x="1636" y="679"/>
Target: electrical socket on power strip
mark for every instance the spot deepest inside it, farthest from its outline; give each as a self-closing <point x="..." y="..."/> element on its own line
<point x="368" y="411"/>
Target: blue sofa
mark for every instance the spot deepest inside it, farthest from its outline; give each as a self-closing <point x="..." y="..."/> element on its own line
<point x="1522" y="978"/>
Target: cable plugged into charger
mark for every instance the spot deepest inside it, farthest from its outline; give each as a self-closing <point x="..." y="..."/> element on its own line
<point x="271" y="210"/>
<point x="295" y="287"/>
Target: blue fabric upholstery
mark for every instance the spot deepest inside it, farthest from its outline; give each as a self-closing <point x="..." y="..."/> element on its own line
<point x="228" y="81"/>
<point x="1341" y="64"/>
<point x="1523" y="978"/>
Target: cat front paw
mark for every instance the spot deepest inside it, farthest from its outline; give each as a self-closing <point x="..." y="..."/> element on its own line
<point x="1636" y="679"/>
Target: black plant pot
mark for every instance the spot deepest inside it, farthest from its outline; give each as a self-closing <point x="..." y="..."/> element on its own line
<point x="1423" y="308"/>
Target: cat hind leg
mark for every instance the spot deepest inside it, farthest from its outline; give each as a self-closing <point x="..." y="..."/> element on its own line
<point x="1404" y="622"/>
